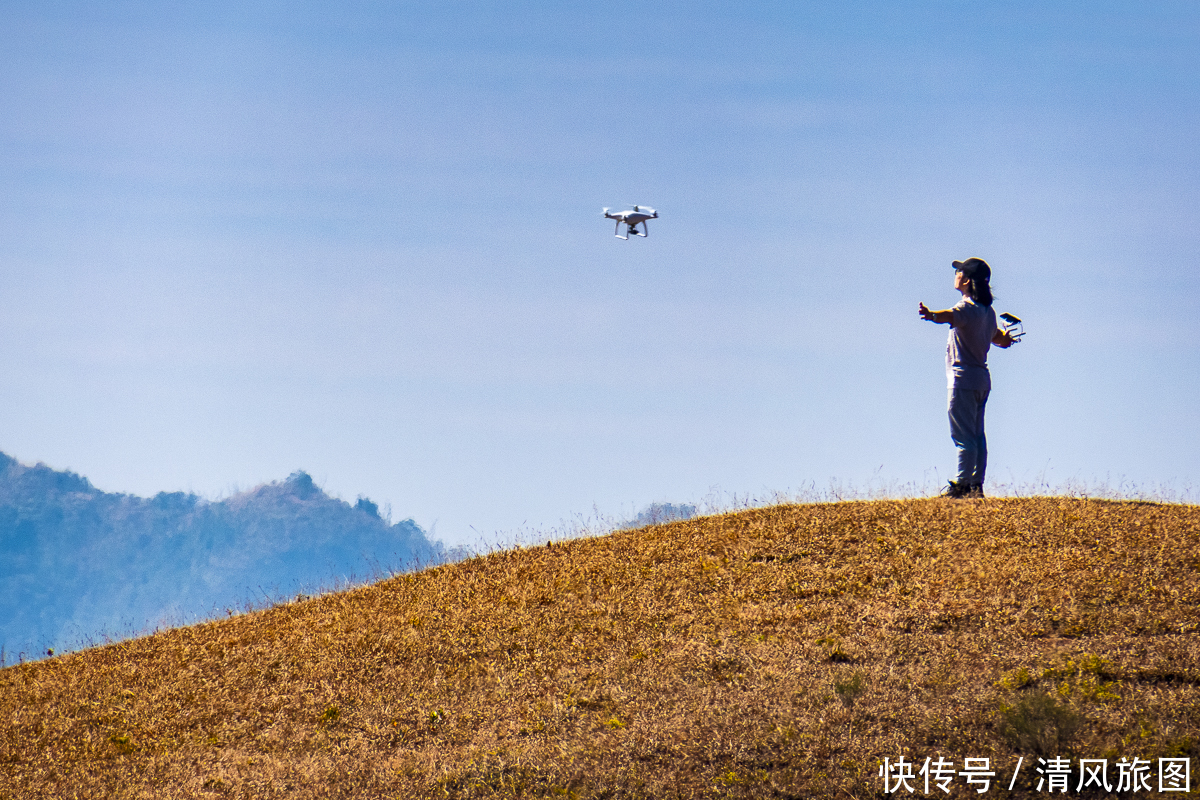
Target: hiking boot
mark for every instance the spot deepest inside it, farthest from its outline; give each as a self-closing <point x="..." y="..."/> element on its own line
<point x="975" y="491"/>
<point x="955" y="491"/>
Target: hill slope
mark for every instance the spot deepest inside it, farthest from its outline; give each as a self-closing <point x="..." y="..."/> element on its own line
<point x="78" y="562"/>
<point x="779" y="652"/>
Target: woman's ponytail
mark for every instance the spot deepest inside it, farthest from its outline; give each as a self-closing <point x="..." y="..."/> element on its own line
<point x="980" y="291"/>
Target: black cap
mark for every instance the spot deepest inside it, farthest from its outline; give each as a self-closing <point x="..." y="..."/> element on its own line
<point x="974" y="268"/>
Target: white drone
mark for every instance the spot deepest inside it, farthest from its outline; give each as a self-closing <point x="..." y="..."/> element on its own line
<point x="632" y="219"/>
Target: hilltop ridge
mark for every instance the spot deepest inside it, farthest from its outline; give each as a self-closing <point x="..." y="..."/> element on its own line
<point x="776" y="652"/>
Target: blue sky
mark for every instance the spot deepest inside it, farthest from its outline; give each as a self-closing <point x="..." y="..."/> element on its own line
<point x="365" y="241"/>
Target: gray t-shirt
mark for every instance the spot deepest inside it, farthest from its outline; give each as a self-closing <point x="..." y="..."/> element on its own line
<point x="971" y="335"/>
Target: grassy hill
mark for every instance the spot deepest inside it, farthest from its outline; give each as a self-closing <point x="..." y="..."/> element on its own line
<point x="778" y="652"/>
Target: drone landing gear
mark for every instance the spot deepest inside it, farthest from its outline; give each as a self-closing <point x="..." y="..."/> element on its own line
<point x="630" y="230"/>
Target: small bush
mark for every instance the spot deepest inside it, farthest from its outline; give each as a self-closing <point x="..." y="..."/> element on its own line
<point x="850" y="689"/>
<point x="1038" y="723"/>
<point x="122" y="742"/>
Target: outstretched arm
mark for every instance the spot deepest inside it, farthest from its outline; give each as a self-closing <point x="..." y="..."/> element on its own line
<point x="1003" y="339"/>
<point x="944" y="316"/>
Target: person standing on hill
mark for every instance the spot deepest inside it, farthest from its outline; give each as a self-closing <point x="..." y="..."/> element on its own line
<point x="972" y="331"/>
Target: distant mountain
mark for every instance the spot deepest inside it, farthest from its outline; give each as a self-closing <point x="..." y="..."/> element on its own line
<point x="660" y="514"/>
<point x="78" y="565"/>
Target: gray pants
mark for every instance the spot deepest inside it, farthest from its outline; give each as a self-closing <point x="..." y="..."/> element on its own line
<point x="966" y="429"/>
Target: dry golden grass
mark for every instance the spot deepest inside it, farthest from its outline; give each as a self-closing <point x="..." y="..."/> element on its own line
<point x="778" y="652"/>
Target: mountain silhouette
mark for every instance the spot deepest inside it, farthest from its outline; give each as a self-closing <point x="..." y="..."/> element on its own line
<point x="79" y="565"/>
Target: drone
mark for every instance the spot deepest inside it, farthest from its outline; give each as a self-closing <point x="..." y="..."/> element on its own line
<point x="632" y="219"/>
<point x="1013" y="326"/>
